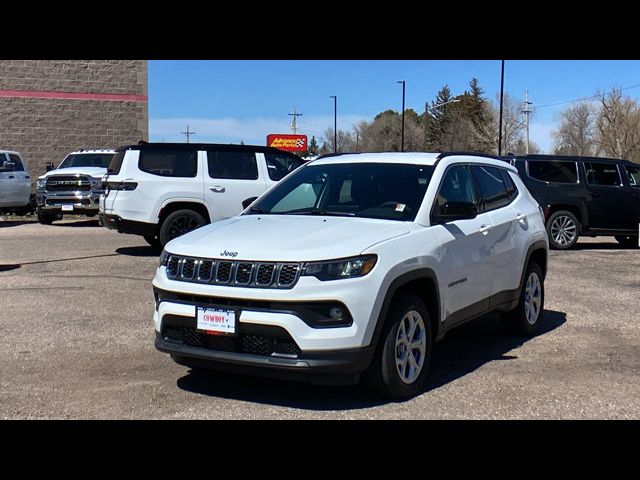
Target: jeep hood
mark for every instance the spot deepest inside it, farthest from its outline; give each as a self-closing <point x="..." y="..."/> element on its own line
<point x="286" y="237"/>
<point x="92" y="171"/>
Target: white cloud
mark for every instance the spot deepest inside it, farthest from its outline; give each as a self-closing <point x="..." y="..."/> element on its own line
<point x="249" y="130"/>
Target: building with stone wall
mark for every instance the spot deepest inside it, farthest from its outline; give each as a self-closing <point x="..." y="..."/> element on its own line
<point x="49" y="108"/>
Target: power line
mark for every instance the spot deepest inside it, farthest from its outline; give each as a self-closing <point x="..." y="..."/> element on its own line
<point x="583" y="98"/>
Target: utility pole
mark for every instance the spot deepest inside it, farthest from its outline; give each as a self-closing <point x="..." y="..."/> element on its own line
<point x="294" y="123"/>
<point x="335" y="123"/>
<point x="357" y="141"/>
<point x="526" y="112"/>
<point x="188" y="133"/>
<point x="501" y="102"/>
<point x="403" y="82"/>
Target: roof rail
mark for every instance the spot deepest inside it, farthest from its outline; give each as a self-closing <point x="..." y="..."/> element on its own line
<point x="472" y="154"/>
<point x="337" y="154"/>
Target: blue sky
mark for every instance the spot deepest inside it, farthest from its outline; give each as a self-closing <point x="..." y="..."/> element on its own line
<point x="229" y="101"/>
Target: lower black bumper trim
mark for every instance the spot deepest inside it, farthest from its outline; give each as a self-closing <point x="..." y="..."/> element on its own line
<point x="331" y="367"/>
<point x="114" y="222"/>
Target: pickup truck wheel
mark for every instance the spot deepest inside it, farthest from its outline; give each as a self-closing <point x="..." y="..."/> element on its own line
<point x="152" y="240"/>
<point x="45" y="218"/>
<point x="525" y="318"/>
<point x="562" y="229"/>
<point x="401" y="362"/>
<point x="627" y="241"/>
<point x="178" y="223"/>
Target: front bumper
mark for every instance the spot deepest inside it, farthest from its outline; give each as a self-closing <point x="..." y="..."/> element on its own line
<point x="82" y="203"/>
<point x="114" y="222"/>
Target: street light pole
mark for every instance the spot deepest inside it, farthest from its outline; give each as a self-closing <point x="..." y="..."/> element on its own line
<point x="501" y="102"/>
<point x="335" y="123"/>
<point x="403" y="82"/>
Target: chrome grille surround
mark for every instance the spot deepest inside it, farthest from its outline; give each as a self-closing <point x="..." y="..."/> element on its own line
<point x="236" y="273"/>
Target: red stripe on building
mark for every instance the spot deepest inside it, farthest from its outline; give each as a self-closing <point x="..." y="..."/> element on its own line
<point x="110" y="97"/>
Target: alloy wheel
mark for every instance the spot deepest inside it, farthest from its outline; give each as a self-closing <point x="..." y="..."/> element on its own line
<point x="411" y="346"/>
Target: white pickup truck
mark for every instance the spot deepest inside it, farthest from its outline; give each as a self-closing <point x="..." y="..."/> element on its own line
<point x="74" y="187"/>
<point x="15" y="182"/>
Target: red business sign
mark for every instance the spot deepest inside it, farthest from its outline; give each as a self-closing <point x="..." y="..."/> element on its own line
<point x="285" y="141"/>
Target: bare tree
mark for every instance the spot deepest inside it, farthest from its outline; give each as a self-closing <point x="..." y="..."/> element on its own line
<point x="513" y="129"/>
<point x="383" y="134"/>
<point x="346" y="141"/>
<point x="576" y="132"/>
<point x="618" y="126"/>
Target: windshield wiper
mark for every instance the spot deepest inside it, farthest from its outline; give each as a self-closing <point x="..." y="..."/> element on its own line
<point x="317" y="211"/>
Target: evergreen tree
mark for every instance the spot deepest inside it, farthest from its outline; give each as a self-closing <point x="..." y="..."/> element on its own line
<point x="312" y="149"/>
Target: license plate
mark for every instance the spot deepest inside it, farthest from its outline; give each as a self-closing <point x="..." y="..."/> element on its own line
<point x="67" y="208"/>
<point x="216" y="320"/>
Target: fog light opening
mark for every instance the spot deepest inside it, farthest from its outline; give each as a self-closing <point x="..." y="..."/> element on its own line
<point x="337" y="314"/>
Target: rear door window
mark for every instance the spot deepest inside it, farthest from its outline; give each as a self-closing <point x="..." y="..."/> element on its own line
<point x="634" y="176"/>
<point x="602" y="174"/>
<point x="492" y="187"/>
<point x="169" y="163"/>
<point x="280" y="165"/>
<point x="238" y="165"/>
<point x="553" y="171"/>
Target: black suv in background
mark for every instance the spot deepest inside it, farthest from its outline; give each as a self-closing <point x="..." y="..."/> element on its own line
<point x="584" y="196"/>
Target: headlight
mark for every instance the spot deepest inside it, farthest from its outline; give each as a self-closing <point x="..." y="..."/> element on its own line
<point x="164" y="257"/>
<point x="342" y="268"/>
<point x="41" y="183"/>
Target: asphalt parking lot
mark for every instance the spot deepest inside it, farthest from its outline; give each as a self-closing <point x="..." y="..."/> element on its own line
<point x="77" y="342"/>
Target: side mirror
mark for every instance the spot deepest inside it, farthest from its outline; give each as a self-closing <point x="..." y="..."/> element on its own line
<point x="8" y="166"/>
<point x="248" y="201"/>
<point x="452" y="211"/>
<point x="50" y="166"/>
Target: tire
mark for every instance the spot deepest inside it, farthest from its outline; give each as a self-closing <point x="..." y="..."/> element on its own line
<point x="627" y="241"/>
<point x="45" y="218"/>
<point x="526" y="317"/>
<point x="563" y="229"/>
<point x="384" y="374"/>
<point x="152" y="240"/>
<point x="178" y="223"/>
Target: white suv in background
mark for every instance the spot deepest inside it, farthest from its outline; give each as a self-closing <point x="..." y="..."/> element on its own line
<point x="15" y="183"/>
<point x="354" y="264"/>
<point x="74" y="187"/>
<point x="163" y="190"/>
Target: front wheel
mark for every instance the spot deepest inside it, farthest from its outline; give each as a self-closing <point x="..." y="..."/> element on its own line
<point x="628" y="241"/>
<point x="401" y="362"/>
<point x="178" y="223"/>
<point x="525" y="318"/>
<point x="45" y="218"/>
<point x="562" y="229"/>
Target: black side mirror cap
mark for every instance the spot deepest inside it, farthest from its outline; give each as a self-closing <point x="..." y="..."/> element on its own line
<point x="248" y="201"/>
<point x="50" y="166"/>
<point x="8" y="166"/>
<point x="452" y="211"/>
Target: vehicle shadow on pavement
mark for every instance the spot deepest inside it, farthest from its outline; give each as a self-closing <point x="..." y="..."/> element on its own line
<point x="79" y="223"/>
<point x="141" y="251"/>
<point x="14" y="223"/>
<point x="600" y="246"/>
<point x="462" y="351"/>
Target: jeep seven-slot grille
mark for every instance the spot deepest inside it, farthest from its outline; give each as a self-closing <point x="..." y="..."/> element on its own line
<point x="233" y="272"/>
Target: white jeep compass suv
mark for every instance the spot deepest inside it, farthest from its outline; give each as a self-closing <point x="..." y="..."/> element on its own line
<point x="163" y="190"/>
<point x="355" y="264"/>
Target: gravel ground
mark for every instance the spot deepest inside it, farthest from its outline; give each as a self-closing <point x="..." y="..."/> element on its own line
<point x="76" y="322"/>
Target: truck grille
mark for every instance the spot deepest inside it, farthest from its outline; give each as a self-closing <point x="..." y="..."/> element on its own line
<point x="233" y="273"/>
<point x="68" y="183"/>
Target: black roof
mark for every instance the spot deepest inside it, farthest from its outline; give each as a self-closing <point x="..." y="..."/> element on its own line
<point x="200" y="146"/>
<point x="569" y="158"/>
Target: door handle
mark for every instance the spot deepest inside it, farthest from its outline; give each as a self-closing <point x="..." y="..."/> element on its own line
<point x="27" y="176"/>
<point x="217" y="189"/>
<point x="484" y="229"/>
<point x="520" y="217"/>
<point x="11" y="176"/>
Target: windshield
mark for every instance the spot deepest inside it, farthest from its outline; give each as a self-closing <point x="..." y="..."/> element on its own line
<point x="389" y="191"/>
<point x="87" y="160"/>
